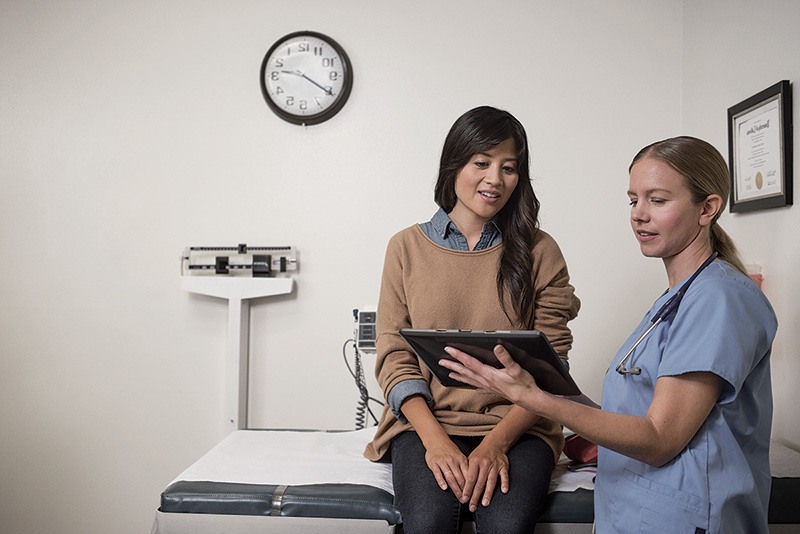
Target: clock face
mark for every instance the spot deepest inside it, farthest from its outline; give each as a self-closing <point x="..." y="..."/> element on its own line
<point x="306" y="77"/>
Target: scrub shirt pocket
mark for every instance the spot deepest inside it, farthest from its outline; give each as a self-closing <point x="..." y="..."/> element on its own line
<point x="673" y="510"/>
<point x="656" y="523"/>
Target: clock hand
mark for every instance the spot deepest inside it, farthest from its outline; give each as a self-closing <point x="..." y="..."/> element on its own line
<point x="300" y="73"/>
<point x="327" y="90"/>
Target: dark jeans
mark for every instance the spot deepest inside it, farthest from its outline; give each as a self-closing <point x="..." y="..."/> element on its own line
<point x="426" y="509"/>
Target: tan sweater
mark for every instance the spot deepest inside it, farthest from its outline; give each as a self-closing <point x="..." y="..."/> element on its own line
<point x="425" y="285"/>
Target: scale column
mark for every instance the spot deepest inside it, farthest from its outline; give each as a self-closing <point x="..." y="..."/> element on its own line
<point x="237" y="364"/>
<point x="238" y="292"/>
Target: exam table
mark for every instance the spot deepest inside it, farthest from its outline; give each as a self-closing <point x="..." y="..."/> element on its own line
<point x="283" y="481"/>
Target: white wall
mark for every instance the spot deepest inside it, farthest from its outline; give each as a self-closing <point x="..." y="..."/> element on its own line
<point x="749" y="47"/>
<point x="131" y="130"/>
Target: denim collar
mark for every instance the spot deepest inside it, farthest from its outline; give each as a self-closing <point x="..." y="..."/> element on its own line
<point x="444" y="228"/>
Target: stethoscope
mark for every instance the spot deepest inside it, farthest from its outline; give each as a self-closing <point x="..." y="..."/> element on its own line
<point x="670" y="306"/>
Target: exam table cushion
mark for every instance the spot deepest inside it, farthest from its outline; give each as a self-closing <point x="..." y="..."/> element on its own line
<point x="343" y="501"/>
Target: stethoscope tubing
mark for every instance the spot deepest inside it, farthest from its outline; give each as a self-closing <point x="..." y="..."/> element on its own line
<point x="668" y="307"/>
<point x="635" y="371"/>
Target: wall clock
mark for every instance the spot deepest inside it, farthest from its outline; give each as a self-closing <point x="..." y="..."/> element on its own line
<point x="306" y="77"/>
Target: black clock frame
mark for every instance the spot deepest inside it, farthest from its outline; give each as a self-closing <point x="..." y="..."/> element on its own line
<point x="347" y="86"/>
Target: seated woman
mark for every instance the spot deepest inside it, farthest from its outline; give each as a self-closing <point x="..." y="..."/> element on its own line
<point x="481" y="262"/>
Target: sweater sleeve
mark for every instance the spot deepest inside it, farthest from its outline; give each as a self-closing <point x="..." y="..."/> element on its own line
<point x="394" y="363"/>
<point x="555" y="300"/>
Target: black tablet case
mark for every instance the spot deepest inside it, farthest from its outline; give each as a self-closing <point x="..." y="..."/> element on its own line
<point x="529" y="348"/>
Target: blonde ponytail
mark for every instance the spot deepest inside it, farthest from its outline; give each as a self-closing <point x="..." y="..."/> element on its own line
<point x="722" y="243"/>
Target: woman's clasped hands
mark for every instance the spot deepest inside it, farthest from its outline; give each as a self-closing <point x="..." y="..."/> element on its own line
<point x="472" y="479"/>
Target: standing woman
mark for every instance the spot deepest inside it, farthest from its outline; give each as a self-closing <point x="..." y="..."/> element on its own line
<point x="687" y="405"/>
<point x="480" y="263"/>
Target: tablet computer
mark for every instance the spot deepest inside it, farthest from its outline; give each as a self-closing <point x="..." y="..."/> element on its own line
<point x="530" y="349"/>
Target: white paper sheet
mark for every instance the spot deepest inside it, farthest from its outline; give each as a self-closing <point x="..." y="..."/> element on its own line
<point x="291" y="458"/>
<point x="783" y="461"/>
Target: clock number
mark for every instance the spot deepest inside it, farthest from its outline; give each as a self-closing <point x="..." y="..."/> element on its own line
<point x="278" y="62"/>
<point x="274" y="76"/>
<point x="328" y="62"/>
<point x="290" y="101"/>
<point x="317" y="50"/>
<point x="334" y="75"/>
<point x="303" y="105"/>
<point x="304" y="47"/>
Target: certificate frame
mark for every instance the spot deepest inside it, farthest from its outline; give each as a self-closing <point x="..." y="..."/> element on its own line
<point x="760" y="150"/>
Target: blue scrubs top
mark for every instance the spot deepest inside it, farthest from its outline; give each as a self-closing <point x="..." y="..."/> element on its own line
<point x="721" y="481"/>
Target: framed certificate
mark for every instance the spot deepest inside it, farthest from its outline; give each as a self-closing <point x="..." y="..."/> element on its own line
<point x="760" y="149"/>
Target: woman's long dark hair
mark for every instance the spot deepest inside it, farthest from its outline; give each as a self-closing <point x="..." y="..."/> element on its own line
<point x="479" y="130"/>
